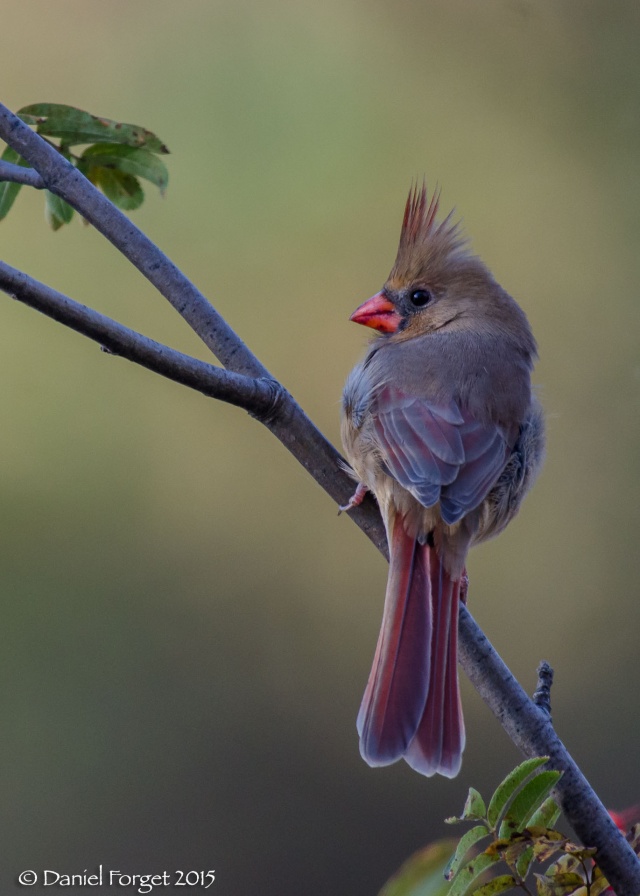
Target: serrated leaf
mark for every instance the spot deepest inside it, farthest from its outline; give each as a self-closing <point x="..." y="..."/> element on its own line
<point x="8" y="190"/>
<point x="499" y="884"/>
<point x="580" y="852"/>
<point x="56" y="211"/>
<point x="498" y="846"/>
<point x="422" y="874"/>
<point x="471" y="872"/>
<point x="545" y="847"/>
<point x="505" y="790"/>
<point x="544" y="851"/>
<point x="548" y="886"/>
<point x="516" y="848"/>
<point x="544" y="886"/>
<point x="474" y="806"/>
<point x="122" y="189"/>
<point x="524" y="862"/>
<point x="75" y="126"/>
<point x="564" y="864"/>
<point x="527" y="802"/>
<point x="569" y="879"/>
<point x="8" y="194"/>
<point x="598" y="886"/>
<point x="465" y="843"/>
<point x="547" y="815"/>
<point x="129" y="159"/>
<point x="10" y="155"/>
<point x="535" y="831"/>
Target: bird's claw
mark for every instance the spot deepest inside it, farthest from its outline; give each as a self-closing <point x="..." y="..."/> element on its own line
<point x="464" y="587"/>
<point x="355" y="500"/>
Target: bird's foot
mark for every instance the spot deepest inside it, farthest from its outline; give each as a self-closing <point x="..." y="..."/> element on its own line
<point x="464" y="587"/>
<point x="356" y="498"/>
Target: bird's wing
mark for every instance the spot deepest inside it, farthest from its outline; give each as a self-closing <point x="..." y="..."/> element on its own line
<point x="438" y="452"/>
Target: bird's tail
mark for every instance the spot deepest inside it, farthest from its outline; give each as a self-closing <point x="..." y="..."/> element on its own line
<point x="411" y="706"/>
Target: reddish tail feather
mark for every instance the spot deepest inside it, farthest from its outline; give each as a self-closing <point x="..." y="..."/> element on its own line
<point x="411" y="706"/>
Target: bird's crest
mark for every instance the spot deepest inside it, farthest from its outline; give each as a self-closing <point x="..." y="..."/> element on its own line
<point x="425" y="241"/>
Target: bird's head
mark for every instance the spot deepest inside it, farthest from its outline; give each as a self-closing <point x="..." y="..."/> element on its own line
<point x="435" y="282"/>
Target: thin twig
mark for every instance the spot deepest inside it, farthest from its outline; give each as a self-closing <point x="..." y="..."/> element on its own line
<point x="16" y="174"/>
<point x="258" y="396"/>
<point x="532" y="731"/>
<point x="542" y="693"/>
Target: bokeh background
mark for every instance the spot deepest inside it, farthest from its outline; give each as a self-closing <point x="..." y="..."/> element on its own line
<point x="187" y="626"/>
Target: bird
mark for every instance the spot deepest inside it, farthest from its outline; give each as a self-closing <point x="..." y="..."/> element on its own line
<point x="439" y="422"/>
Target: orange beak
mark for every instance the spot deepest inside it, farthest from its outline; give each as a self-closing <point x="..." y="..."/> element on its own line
<point x="377" y="313"/>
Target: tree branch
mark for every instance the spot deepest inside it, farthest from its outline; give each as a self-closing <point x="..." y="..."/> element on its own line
<point x="542" y="693"/>
<point x="259" y="397"/>
<point x="527" y="725"/>
<point x="16" y="174"/>
<point x="62" y="178"/>
<point x="290" y="425"/>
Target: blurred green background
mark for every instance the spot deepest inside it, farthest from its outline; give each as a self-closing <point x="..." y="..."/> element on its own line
<point x="187" y="626"/>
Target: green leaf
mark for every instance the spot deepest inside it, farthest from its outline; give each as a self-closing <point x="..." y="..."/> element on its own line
<point x="128" y="159"/>
<point x="474" y="806"/>
<point x="499" y="884"/>
<point x="524" y="862"/>
<point x="518" y="845"/>
<point x="547" y="815"/>
<point x="508" y="787"/>
<point x="634" y="838"/>
<point x="56" y="211"/>
<point x="549" y="844"/>
<point x="567" y="882"/>
<point x="422" y="874"/>
<point x="528" y="801"/>
<point x="569" y="879"/>
<point x="122" y="189"/>
<point x="74" y="126"/>
<point x="9" y="191"/>
<point x="562" y="865"/>
<point x="471" y="872"/>
<point x="548" y="886"/>
<point x="544" y="887"/>
<point x="497" y="847"/>
<point x="598" y="886"/>
<point x="580" y="852"/>
<point x="465" y="843"/>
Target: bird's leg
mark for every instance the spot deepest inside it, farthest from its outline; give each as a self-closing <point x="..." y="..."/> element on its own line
<point x="356" y="498"/>
<point x="464" y="586"/>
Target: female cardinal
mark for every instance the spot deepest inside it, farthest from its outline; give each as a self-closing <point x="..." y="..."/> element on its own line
<point x="440" y="423"/>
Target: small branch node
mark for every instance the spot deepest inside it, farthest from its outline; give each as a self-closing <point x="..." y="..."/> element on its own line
<point x="277" y="397"/>
<point x="542" y="693"/>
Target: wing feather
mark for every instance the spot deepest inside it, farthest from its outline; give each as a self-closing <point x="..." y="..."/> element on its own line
<point x="439" y="452"/>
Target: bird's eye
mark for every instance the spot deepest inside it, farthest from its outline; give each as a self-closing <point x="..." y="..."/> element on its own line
<point x="420" y="297"/>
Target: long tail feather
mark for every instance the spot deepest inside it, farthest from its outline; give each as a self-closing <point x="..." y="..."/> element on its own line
<point x="411" y="705"/>
<point x="439" y="740"/>
<point x="396" y="692"/>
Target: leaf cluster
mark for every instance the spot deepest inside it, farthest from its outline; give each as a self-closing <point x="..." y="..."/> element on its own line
<point x="519" y="825"/>
<point x="519" y="821"/>
<point x="116" y="156"/>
